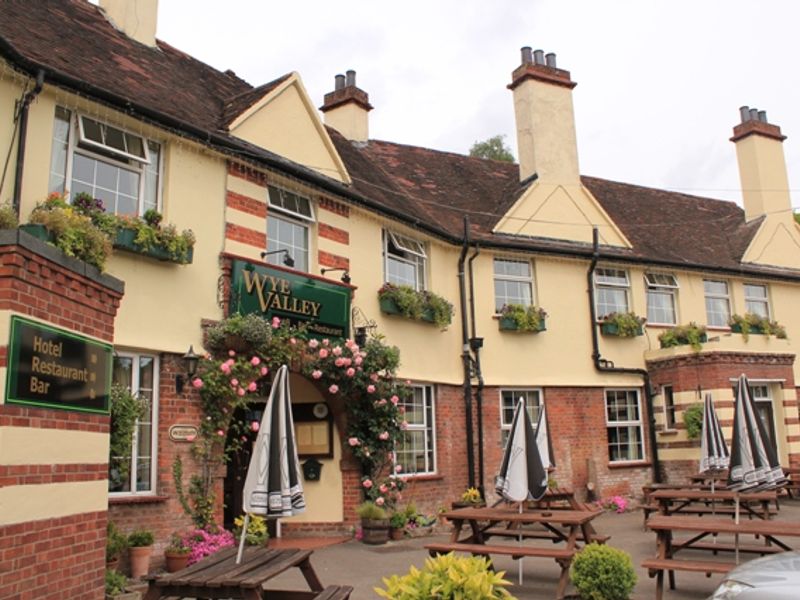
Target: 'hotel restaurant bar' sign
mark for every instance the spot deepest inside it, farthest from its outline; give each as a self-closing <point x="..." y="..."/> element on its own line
<point x="54" y="368"/>
<point x="323" y="306"/>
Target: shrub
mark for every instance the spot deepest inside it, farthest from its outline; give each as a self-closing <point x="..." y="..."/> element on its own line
<point x="8" y="217"/>
<point x="256" y="533"/>
<point x="526" y="318"/>
<point x="140" y="537"/>
<point x="398" y="520"/>
<point x="683" y="334"/>
<point x="116" y="542"/>
<point x="693" y="419"/>
<point x="472" y="495"/>
<point x="115" y="582"/>
<point x="600" y="572"/>
<point x="448" y="577"/>
<point x="370" y="511"/>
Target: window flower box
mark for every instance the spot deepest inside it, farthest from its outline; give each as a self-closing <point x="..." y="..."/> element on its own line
<point x="40" y="232"/>
<point x="125" y="239"/>
<point x="692" y="334"/>
<point x="622" y="325"/>
<point x="418" y="305"/>
<point x="521" y="318"/>
<point x="752" y="323"/>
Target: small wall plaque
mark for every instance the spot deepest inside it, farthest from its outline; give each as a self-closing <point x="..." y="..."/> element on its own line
<point x="183" y="433"/>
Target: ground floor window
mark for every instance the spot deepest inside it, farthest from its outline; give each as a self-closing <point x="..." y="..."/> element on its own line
<point x="508" y="402"/>
<point x="416" y="449"/>
<point x="624" y="425"/>
<point x="669" y="407"/>
<point x="765" y="410"/>
<point x="139" y="373"/>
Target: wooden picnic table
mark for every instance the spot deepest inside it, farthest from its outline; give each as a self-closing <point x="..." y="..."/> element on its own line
<point x="563" y="528"/>
<point x="701" y="528"/>
<point x="218" y="576"/>
<point x="720" y="502"/>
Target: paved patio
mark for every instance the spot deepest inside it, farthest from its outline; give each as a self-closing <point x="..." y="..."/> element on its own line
<point x="363" y="566"/>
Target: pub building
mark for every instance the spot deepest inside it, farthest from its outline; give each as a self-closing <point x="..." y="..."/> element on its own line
<point x="302" y="216"/>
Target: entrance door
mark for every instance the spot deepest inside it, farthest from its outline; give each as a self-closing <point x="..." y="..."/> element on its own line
<point x="239" y="460"/>
<point x="766" y="413"/>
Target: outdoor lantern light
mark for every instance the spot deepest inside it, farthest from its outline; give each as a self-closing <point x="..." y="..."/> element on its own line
<point x="361" y="336"/>
<point x="345" y="275"/>
<point x="190" y="360"/>
<point x="287" y="258"/>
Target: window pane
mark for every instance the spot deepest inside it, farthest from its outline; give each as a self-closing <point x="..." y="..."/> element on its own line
<point x="715" y="287"/>
<point x="611" y="276"/>
<point x="414" y="451"/>
<point x="611" y="300"/>
<point x="92" y="130"/>
<point x="58" y="155"/>
<point x="717" y="311"/>
<point x="283" y="234"/>
<point x="661" y="306"/>
<point x="151" y="172"/>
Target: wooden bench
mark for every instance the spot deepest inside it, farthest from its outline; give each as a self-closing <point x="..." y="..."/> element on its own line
<point x="656" y="567"/>
<point x="729" y="547"/>
<point x="514" y="552"/>
<point x="705" y="509"/>
<point x="544" y="535"/>
<point x="335" y="592"/>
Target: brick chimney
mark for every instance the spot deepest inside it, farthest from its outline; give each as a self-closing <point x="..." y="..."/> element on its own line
<point x="762" y="165"/>
<point x="546" y="140"/>
<point x="346" y="108"/>
<point x="135" y="18"/>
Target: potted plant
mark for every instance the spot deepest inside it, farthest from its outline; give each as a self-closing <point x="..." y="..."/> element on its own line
<point x="470" y="498"/>
<point x="140" y="547"/>
<point x="398" y="522"/>
<point x="116" y="543"/>
<point x="176" y="555"/>
<point x="522" y="318"/>
<point x="413" y="304"/>
<point x="115" y="584"/>
<point x="625" y="324"/>
<point x="374" y="523"/>
<point x="148" y="237"/>
<point x="256" y="534"/>
<point x="600" y="572"/>
<point x="753" y="323"/>
<point x="692" y="334"/>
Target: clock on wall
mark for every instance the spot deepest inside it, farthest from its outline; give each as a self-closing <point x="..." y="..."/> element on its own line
<point x="320" y="410"/>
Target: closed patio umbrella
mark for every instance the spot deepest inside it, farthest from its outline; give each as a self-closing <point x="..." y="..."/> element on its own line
<point x="714" y="454"/>
<point x="543" y="442"/>
<point x="522" y="476"/>
<point x="273" y="487"/>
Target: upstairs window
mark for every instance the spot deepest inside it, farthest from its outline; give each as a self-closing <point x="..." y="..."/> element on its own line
<point x="287" y="227"/>
<point x="404" y="260"/>
<point x="756" y="300"/>
<point x="513" y="283"/>
<point x="661" y="291"/>
<point x="611" y="291"/>
<point x="718" y="303"/>
<point x="119" y="167"/>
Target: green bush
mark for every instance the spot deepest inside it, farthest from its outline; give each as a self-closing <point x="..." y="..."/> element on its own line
<point x="693" y="419"/>
<point x="116" y="542"/>
<point x="140" y="537"/>
<point x="8" y="217"/>
<point x="398" y="520"/>
<point x="371" y="511"/>
<point x="448" y="577"/>
<point x="600" y="572"/>
<point x="74" y="233"/>
<point x="115" y="582"/>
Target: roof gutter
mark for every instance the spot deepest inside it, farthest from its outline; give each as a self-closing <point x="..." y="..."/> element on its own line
<point x="605" y="366"/>
<point x="24" y="107"/>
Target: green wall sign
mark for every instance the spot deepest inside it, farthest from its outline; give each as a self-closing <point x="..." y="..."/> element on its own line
<point x="54" y="368"/>
<point x="323" y="306"/>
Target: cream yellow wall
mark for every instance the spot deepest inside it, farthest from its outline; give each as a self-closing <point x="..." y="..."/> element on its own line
<point x="286" y="123"/>
<point x="762" y="172"/>
<point x="24" y="503"/>
<point x="10" y="91"/>
<point x="351" y="120"/>
<point x="776" y="243"/>
<point x="137" y="18"/>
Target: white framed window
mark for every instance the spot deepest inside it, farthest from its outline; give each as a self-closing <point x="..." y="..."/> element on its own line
<point x="718" y="303"/>
<point x="624" y="425"/>
<point x="662" y="289"/>
<point x="288" y="227"/>
<point x="508" y="403"/>
<point x="139" y="373"/>
<point x="669" y="407"/>
<point x="756" y="299"/>
<point x="765" y="409"/>
<point x="404" y="260"/>
<point x="415" y="452"/>
<point x="611" y="288"/>
<point x="513" y="283"/>
<point x="121" y="168"/>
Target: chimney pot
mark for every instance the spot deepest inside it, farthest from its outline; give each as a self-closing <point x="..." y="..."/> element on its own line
<point x="351" y="78"/>
<point x="754" y="114"/>
<point x="762" y="116"/>
<point x="550" y="59"/>
<point x="538" y="57"/>
<point x="527" y="56"/>
<point x="744" y="113"/>
<point x="339" y="82"/>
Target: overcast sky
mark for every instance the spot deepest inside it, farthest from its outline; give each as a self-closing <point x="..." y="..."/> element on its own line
<point x="659" y="82"/>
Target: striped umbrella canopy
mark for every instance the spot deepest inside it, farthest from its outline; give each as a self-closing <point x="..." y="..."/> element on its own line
<point x="273" y="487"/>
<point x="714" y="455"/>
<point x="522" y="475"/>
<point x="543" y="442"/>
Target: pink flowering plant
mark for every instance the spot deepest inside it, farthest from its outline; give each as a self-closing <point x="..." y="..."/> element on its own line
<point x="618" y="504"/>
<point x="206" y="541"/>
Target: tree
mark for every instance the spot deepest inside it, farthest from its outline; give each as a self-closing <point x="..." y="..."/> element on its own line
<point x="493" y="148"/>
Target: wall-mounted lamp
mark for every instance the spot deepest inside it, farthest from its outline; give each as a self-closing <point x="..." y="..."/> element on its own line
<point x="287" y="258"/>
<point x="345" y="276"/>
<point x="190" y="360"/>
<point x="360" y="337"/>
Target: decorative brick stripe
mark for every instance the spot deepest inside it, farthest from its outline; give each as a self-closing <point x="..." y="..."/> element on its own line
<point x="329" y="232"/>
<point x="12" y="415"/>
<point x="246" y="204"/>
<point x="52" y="559"/>
<point x="248" y="173"/>
<point x="43" y="474"/>
<point x="245" y="235"/>
<point x="335" y="207"/>
<point x="326" y="259"/>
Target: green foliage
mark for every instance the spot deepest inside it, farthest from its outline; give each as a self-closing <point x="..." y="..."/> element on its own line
<point x="600" y="572"/>
<point x="493" y="148"/>
<point x="126" y="410"/>
<point x="398" y="520"/>
<point x="693" y="419"/>
<point x="472" y="495"/>
<point x="177" y="545"/>
<point x="448" y="577"/>
<point x="418" y="305"/>
<point x="140" y="537"/>
<point x="753" y="323"/>
<point x="253" y="334"/>
<point x="257" y="532"/>
<point x="8" y="217"/>
<point x="115" y="582"/>
<point x="116" y="542"/>
<point x="526" y="318"/>
<point x="691" y="334"/>
<point x="198" y="501"/>
<point x="628" y="324"/>
<point x="150" y="234"/>
<point x="370" y="511"/>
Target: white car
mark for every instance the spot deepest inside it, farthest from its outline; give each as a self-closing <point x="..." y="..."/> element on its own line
<point x="775" y="577"/>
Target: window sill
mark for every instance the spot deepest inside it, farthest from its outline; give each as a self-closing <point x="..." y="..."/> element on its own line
<point x="139" y="499"/>
<point x="667" y="432"/>
<point x="629" y="464"/>
<point x="423" y="477"/>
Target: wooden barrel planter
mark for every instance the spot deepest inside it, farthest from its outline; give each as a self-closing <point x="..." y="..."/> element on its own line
<point x="375" y="531"/>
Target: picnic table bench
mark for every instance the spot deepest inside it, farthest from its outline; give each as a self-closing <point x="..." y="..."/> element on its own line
<point x="705" y="502"/>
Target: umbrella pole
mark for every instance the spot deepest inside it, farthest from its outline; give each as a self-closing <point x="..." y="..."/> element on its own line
<point x="736" y="535"/>
<point x="242" y="537"/>
<point x="713" y="504"/>
<point x="519" y="566"/>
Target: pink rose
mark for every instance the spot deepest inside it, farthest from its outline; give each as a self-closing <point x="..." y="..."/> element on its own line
<point x="339" y="362"/>
<point x="373" y="377"/>
<point x="264" y="371"/>
<point x="234" y="382"/>
<point x="197" y="382"/>
<point x="353" y="441"/>
<point x="370" y="389"/>
<point x="231" y="353"/>
<point x="398" y="468"/>
<point x="384" y="435"/>
<point x="240" y="392"/>
<point x="252" y="387"/>
<point x="359" y="360"/>
<point x="367" y="483"/>
<point x="316" y="374"/>
<point x="190" y="438"/>
<point x="379" y="501"/>
<point x="383" y="488"/>
<point x="382" y="402"/>
<point x="230" y="362"/>
<point x="394" y="400"/>
<point x="220" y="432"/>
<point x="323" y="353"/>
<point x="244" y="438"/>
<point x="337" y="351"/>
<point x="313" y="344"/>
<point x="255" y="361"/>
<point x="350" y="372"/>
<point x="276" y="322"/>
<point x="347" y="361"/>
<point x="254" y="426"/>
<point x="225" y="368"/>
<point x="293" y="341"/>
<point x="333" y="389"/>
<point x="325" y="342"/>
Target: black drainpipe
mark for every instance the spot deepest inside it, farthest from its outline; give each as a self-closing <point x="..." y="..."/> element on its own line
<point x="605" y="366"/>
<point x="476" y="343"/>
<point x="23" y="136"/>
<point x="466" y="358"/>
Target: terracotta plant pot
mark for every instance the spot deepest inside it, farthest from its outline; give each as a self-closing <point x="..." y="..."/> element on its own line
<point x="398" y="533"/>
<point x="175" y="561"/>
<point x="112" y="565"/>
<point x="140" y="560"/>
